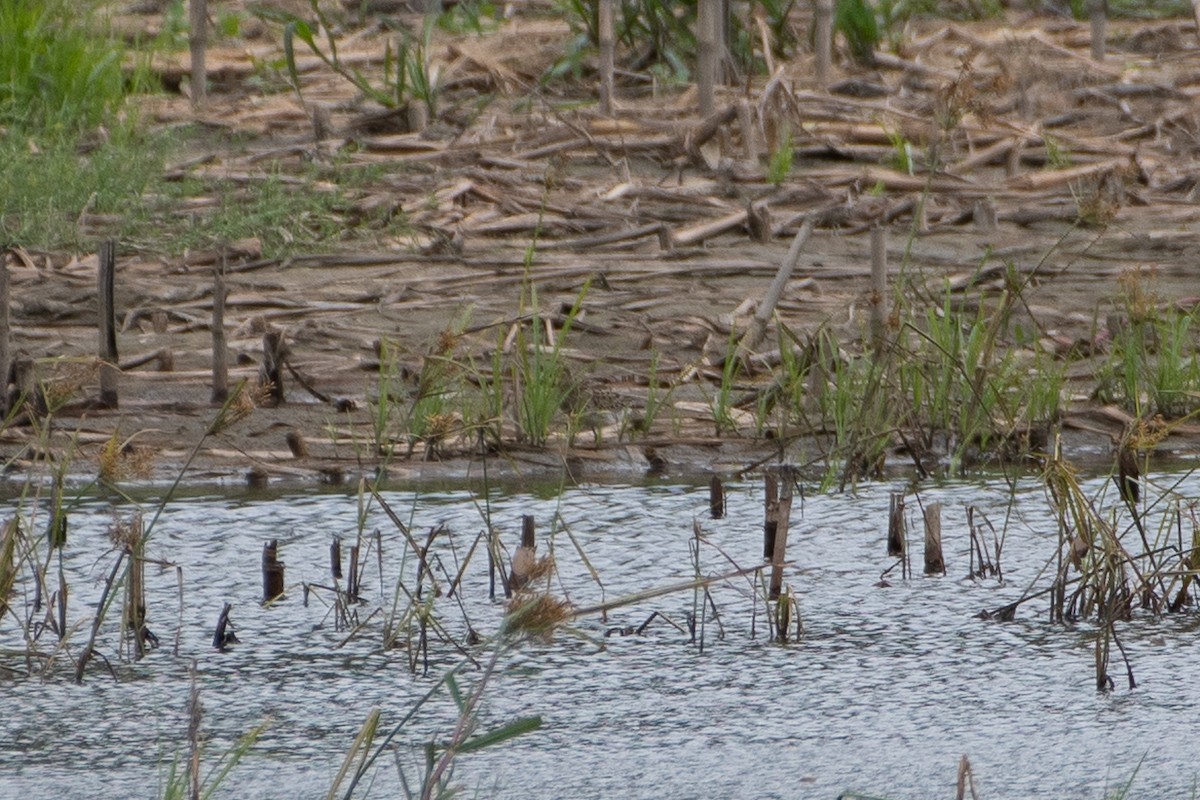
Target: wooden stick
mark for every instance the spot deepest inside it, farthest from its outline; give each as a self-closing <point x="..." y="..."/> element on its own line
<point x="705" y="230"/>
<point x="106" y="279"/>
<point x="758" y="326"/>
<point x="824" y="41"/>
<point x="1035" y="181"/>
<point x="220" y="365"/>
<point x="997" y="151"/>
<point x="707" y="24"/>
<point x="650" y="594"/>
<point x="693" y="139"/>
<point x="608" y="49"/>
<point x="1098" y="14"/>
<point x="164" y="357"/>
<point x="614" y="237"/>
<point x="198" y="41"/>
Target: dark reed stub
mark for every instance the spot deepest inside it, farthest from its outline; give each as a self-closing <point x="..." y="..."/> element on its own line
<point x="297" y="444"/>
<point x="895" y="538"/>
<point x="716" y="497"/>
<point x="335" y="558"/>
<point x="106" y="279"/>
<point x="782" y="513"/>
<point x="272" y="572"/>
<point x="224" y="635"/>
<point x="256" y="478"/>
<point x="770" y="512"/>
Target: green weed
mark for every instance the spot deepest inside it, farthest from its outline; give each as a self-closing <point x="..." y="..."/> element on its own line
<point x="408" y="75"/>
<point x="1057" y="157"/>
<point x="660" y="34"/>
<point x="901" y="158"/>
<point x="722" y="401"/>
<point x="50" y="189"/>
<point x="656" y="398"/>
<point x="476" y="16"/>
<point x="62" y="70"/>
<point x="540" y="379"/>
<point x="855" y="20"/>
<point x="173" y="34"/>
<point x="1154" y="362"/>
<point x="956" y="380"/>
<point x="781" y="160"/>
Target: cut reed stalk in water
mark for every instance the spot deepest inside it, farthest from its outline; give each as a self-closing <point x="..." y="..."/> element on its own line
<point x="896" y="537"/>
<point x="783" y="520"/>
<point x="771" y="513"/>
<point x="257" y="478"/>
<point x="966" y="781"/>
<point x="134" y="617"/>
<point x="935" y="564"/>
<point x="272" y="572"/>
<point x="524" y="558"/>
<point x="716" y="497"/>
<point x="354" y="576"/>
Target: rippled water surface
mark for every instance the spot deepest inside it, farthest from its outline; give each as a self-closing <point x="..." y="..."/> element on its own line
<point x="888" y="688"/>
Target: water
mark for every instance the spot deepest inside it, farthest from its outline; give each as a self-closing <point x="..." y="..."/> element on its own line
<point x="889" y="687"/>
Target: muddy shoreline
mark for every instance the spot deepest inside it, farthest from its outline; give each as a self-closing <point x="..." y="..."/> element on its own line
<point x="659" y="244"/>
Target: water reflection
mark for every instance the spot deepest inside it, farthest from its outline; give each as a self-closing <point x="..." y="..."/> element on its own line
<point x="889" y="687"/>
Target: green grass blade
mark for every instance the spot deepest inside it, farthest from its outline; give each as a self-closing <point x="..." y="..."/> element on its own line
<point x="518" y="727"/>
